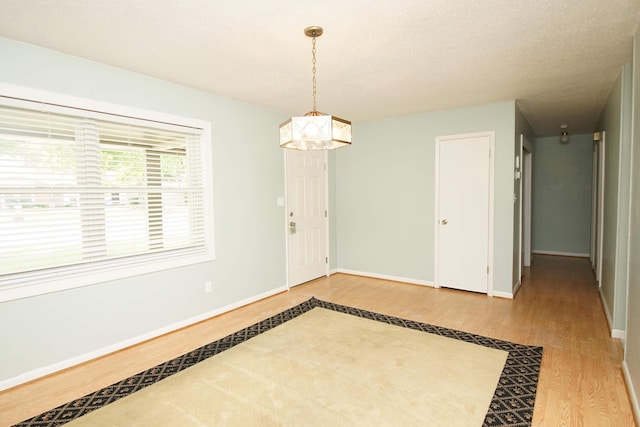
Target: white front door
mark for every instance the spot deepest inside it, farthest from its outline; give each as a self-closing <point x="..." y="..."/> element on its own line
<point x="463" y="211"/>
<point x="306" y="212"/>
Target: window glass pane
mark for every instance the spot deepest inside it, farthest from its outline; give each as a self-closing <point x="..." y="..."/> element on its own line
<point x="40" y="230"/>
<point x="83" y="194"/>
<point x="37" y="202"/>
<point x="122" y="166"/>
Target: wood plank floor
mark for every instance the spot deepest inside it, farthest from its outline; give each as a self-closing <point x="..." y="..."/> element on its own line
<point x="557" y="307"/>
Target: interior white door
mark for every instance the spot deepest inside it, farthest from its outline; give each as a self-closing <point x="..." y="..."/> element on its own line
<point x="463" y="209"/>
<point x="306" y="178"/>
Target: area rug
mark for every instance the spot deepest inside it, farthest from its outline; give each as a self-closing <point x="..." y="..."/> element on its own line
<point x="320" y="363"/>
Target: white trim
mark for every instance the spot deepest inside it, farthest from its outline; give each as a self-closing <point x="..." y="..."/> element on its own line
<point x="633" y="397"/>
<point x="519" y="178"/>
<point x="88" y="278"/>
<point x="492" y="183"/>
<point x="615" y="333"/>
<point x="527" y="158"/>
<point x="570" y="254"/>
<point x="384" y="277"/>
<point x="64" y="364"/>
<point x="36" y="95"/>
<point x="508" y="295"/>
<point x="436" y="215"/>
<point x="619" y="334"/>
<point x="594" y="204"/>
<point x="286" y="221"/>
<point x="603" y="301"/>
<point x="492" y="155"/>
<point x="327" y="222"/>
<point x="601" y="186"/>
<point x="516" y="288"/>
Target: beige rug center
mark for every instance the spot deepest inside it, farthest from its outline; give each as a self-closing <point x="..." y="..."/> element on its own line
<point x="322" y="368"/>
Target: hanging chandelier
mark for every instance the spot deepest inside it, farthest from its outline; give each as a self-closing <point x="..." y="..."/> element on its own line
<point x="315" y="130"/>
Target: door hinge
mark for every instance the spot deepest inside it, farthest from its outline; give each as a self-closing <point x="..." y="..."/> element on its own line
<point x="325" y="213"/>
<point x="487" y="269"/>
<point x="326" y="260"/>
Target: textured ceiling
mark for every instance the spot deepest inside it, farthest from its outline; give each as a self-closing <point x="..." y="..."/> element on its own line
<point x="376" y="59"/>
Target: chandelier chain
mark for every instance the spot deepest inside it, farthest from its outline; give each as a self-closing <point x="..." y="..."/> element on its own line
<point x="313" y="62"/>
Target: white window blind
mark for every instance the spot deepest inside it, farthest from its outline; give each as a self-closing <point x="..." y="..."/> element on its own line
<point x="84" y="192"/>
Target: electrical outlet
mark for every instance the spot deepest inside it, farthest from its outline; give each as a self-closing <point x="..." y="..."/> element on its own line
<point x="207" y="286"/>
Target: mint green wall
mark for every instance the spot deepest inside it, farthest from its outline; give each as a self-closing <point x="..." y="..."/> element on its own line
<point x="249" y="228"/>
<point x="385" y="192"/>
<point x="381" y="200"/>
<point x="632" y="342"/>
<point x="561" y="195"/>
<point x="615" y="122"/>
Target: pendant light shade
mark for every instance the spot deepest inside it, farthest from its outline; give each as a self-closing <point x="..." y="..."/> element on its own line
<point x="315" y="130"/>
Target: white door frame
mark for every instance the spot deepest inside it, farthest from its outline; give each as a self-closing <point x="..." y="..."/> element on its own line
<point x="519" y="176"/>
<point x="287" y="210"/>
<point x="491" y="136"/>
<point x="594" y="204"/>
<point x="523" y="174"/>
<point x="600" y="208"/>
<point x="527" y="161"/>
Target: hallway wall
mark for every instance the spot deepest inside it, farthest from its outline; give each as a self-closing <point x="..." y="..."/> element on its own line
<point x="561" y="195"/>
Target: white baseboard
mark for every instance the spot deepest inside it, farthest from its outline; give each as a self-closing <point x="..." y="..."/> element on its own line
<point x="615" y="333"/>
<point x="384" y="277"/>
<point x="633" y="397"/>
<point x="571" y="254"/>
<point x="603" y="301"/>
<point x="64" y="364"/>
<point x="619" y="333"/>
<point x="508" y="295"/>
<point x="517" y="288"/>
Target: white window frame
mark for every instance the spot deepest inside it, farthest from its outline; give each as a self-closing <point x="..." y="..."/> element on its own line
<point x="70" y="279"/>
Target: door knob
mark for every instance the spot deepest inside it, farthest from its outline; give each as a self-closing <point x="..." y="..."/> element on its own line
<point x="443" y="222"/>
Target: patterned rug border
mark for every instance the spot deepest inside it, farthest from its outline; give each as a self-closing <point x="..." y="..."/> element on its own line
<point x="512" y="402"/>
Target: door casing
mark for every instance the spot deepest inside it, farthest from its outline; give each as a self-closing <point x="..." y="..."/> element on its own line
<point x="527" y="168"/>
<point x="523" y="174"/>
<point x="598" y="208"/>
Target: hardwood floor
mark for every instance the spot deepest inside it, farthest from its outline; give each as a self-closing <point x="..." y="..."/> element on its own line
<point x="557" y="307"/>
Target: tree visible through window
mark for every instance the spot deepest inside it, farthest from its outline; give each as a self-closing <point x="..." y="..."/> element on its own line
<point x="82" y="191"/>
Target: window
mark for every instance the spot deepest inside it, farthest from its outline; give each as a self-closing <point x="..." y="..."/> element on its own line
<point x="88" y="196"/>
